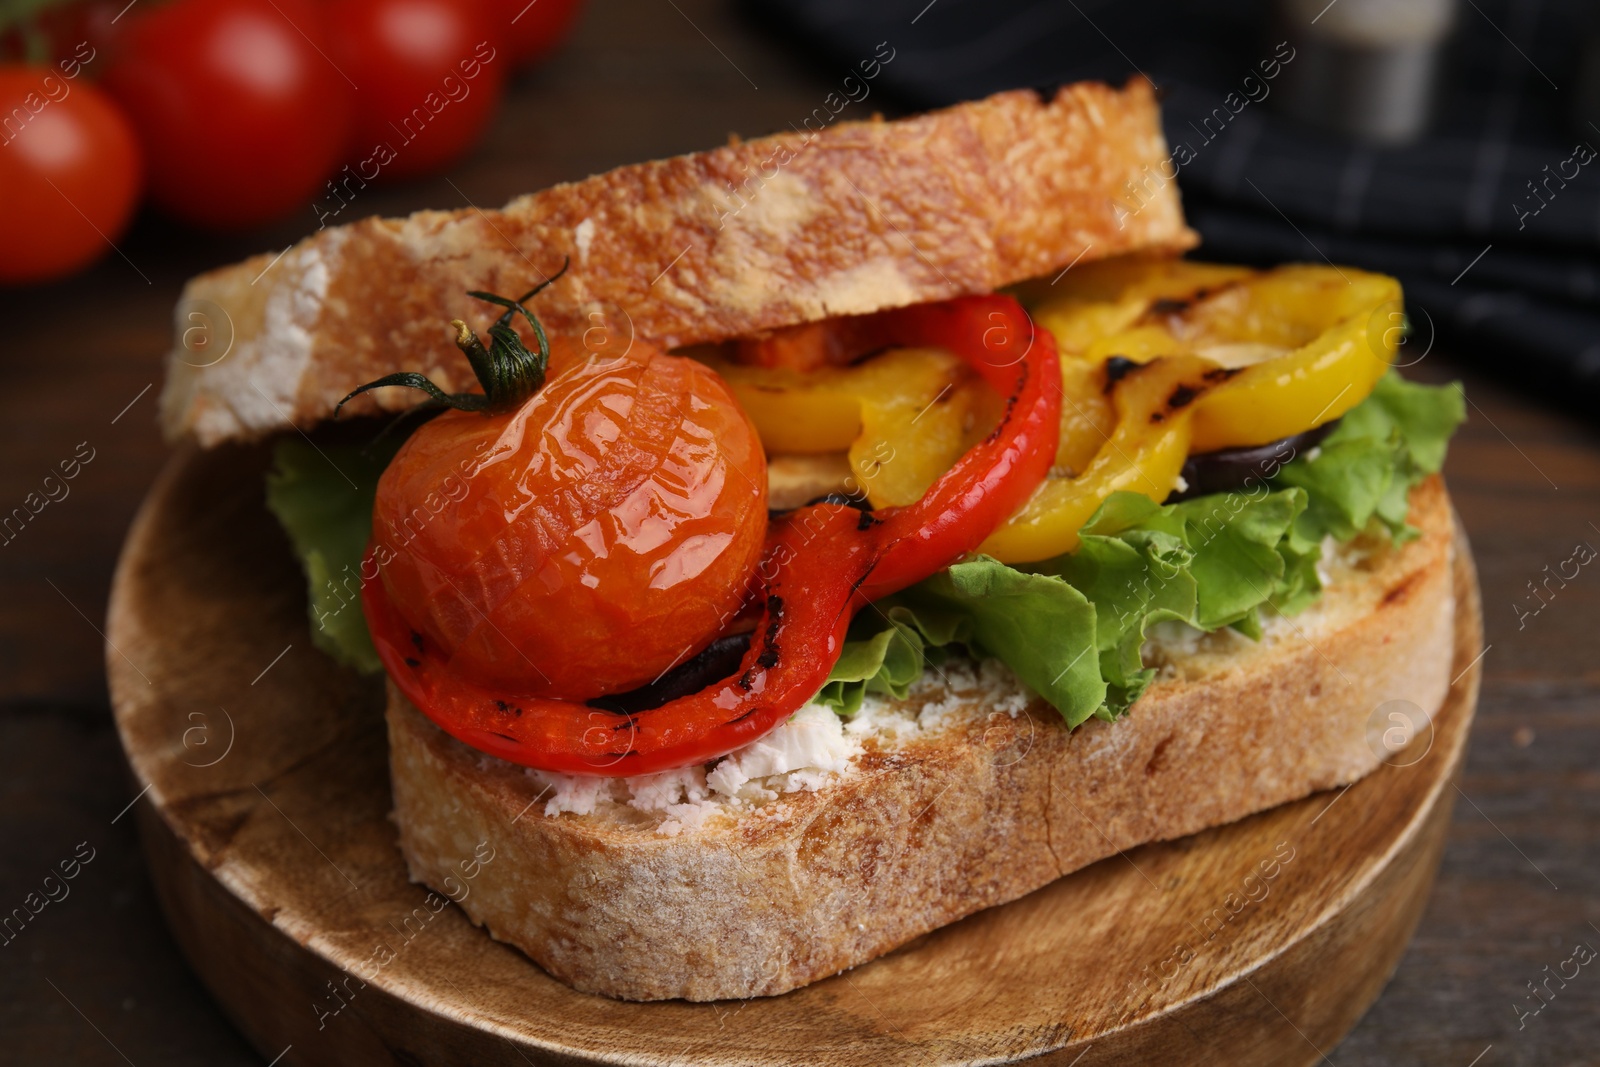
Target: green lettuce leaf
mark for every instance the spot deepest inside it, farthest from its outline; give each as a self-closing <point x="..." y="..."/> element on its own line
<point x="1072" y="628"/>
<point x="885" y="659"/>
<point x="1040" y="625"/>
<point x="1365" y="469"/>
<point x="323" y="499"/>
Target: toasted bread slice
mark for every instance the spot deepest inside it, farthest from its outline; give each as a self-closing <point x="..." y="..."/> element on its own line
<point x="967" y="795"/>
<point x="753" y="236"/>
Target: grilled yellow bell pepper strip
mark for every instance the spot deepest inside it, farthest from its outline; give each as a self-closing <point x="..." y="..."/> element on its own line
<point x="1154" y="403"/>
<point x="913" y="410"/>
<point x="1306" y="344"/>
<point x="1087" y="416"/>
<point x="904" y="416"/>
<point x="1103" y="299"/>
<point x="1343" y="330"/>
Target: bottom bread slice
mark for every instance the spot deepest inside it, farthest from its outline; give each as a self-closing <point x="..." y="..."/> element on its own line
<point x="967" y="795"/>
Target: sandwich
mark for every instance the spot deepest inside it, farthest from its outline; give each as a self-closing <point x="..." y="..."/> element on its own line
<point x="781" y="551"/>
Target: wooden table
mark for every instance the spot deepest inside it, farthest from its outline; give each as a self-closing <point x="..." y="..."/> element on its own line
<point x="94" y="978"/>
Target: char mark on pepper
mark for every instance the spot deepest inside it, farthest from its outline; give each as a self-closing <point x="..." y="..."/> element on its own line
<point x="1182" y="396"/>
<point x="769" y="641"/>
<point x="1117" y="368"/>
<point x="1011" y="406"/>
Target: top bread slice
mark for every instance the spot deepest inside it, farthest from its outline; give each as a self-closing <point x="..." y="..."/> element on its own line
<point x="712" y="246"/>
<point x="969" y="794"/>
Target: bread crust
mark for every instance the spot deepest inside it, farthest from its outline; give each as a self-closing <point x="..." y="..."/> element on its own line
<point x="942" y="826"/>
<point x="710" y="246"/>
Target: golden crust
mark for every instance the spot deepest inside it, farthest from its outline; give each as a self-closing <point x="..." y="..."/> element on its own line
<point x="943" y="825"/>
<point x="749" y="237"/>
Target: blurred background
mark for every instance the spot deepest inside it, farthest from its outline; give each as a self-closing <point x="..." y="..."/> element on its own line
<point x="1445" y="141"/>
<point x="1450" y="143"/>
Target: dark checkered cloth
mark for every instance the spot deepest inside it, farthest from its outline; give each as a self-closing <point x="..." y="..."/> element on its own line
<point x="1492" y="219"/>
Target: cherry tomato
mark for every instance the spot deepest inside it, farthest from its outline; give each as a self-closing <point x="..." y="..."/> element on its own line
<point x="430" y="76"/>
<point x="531" y="29"/>
<point x="584" y="543"/>
<point x="69" y="173"/>
<point x="240" y="108"/>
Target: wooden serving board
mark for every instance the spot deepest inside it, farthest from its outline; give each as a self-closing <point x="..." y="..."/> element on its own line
<point x="265" y="823"/>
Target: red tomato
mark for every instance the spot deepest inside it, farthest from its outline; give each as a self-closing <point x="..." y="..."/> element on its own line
<point x="69" y="173"/>
<point x="241" y="111"/>
<point x="430" y="78"/>
<point x="587" y="541"/>
<point x="531" y="29"/>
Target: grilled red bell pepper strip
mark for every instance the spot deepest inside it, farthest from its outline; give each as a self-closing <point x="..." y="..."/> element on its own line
<point x="821" y="565"/>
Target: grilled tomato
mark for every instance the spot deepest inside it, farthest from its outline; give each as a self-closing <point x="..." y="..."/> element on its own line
<point x="583" y="539"/>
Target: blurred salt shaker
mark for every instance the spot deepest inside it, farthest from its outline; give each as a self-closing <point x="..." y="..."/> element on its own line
<point x="1367" y="68"/>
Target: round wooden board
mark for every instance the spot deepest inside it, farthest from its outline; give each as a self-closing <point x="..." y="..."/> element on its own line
<point x="265" y="824"/>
